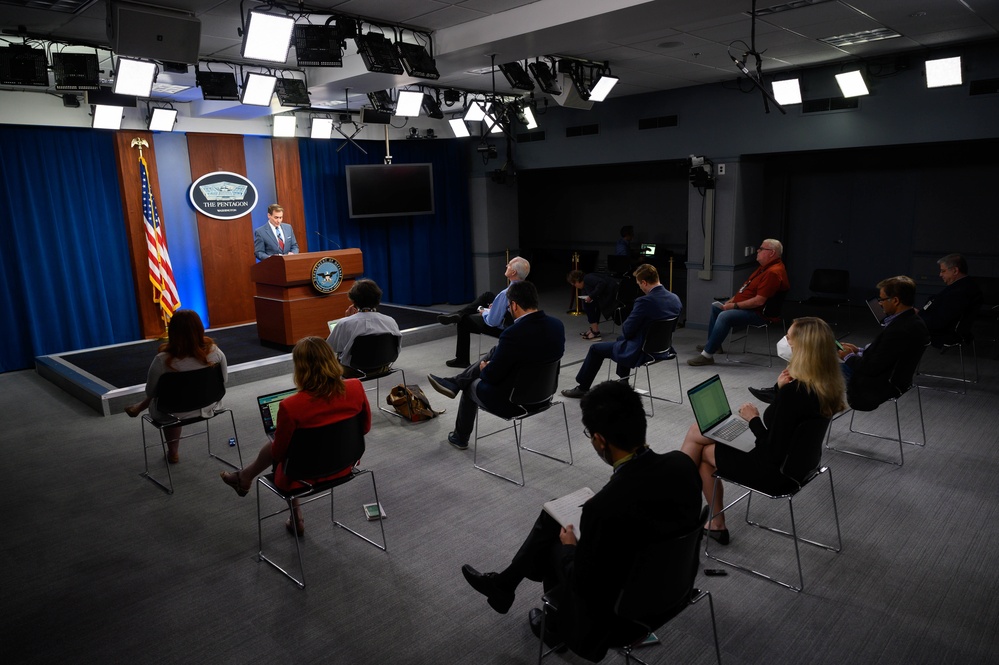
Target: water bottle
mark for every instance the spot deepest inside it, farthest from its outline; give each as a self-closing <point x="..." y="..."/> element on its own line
<point x="232" y="441"/>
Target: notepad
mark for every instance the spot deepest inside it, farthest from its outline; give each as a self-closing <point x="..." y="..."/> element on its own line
<point x="569" y="508"/>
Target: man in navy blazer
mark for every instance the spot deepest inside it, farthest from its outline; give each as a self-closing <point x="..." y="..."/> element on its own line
<point x="534" y="338"/>
<point x="274" y="237"/>
<point x="655" y="305"/>
<point x="944" y="311"/>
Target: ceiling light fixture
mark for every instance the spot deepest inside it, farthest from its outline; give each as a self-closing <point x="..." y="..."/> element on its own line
<point x="516" y="76"/>
<point x="267" y="37"/>
<point x="76" y="71"/>
<point x="162" y="119"/>
<point x="431" y="107"/>
<point x="852" y="84"/>
<point x="322" y="128"/>
<point x="258" y="89"/>
<point x="381" y="100"/>
<point x="219" y="86"/>
<point x="134" y="77"/>
<point x="459" y="128"/>
<point x="107" y="117"/>
<point x="476" y="110"/>
<point x="284" y="126"/>
<point x="417" y="61"/>
<point x="318" y="46"/>
<point x="787" y="91"/>
<point x="377" y="54"/>
<point x="545" y="76"/>
<point x="943" y="72"/>
<point x="292" y="92"/>
<point x="409" y="103"/>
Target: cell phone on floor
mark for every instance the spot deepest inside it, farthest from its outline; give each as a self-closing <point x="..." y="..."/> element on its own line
<point x="715" y="572"/>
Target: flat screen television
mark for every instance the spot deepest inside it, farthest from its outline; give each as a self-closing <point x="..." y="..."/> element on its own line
<point x="390" y="190"/>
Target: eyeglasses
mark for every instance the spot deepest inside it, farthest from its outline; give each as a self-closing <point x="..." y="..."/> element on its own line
<point x="587" y="433"/>
<point x="884" y="299"/>
<point x="764" y="249"/>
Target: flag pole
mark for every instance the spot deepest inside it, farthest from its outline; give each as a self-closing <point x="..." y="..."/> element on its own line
<point x="151" y="221"/>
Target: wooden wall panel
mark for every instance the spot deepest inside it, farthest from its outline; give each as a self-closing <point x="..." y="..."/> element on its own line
<point x="288" y="187"/>
<point x="226" y="245"/>
<point x="150" y="321"/>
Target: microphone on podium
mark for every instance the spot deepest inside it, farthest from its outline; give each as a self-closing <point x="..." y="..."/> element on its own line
<point x="328" y="239"/>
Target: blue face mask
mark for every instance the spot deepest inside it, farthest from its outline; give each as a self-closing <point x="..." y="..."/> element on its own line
<point x="784" y="349"/>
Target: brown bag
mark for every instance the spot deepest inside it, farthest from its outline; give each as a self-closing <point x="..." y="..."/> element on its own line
<point x="410" y="403"/>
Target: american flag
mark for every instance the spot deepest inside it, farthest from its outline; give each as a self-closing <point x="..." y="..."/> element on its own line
<point x="160" y="270"/>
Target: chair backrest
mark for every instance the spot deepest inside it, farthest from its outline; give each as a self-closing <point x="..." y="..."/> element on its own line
<point x="829" y="280"/>
<point x="374" y="351"/>
<point x="805" y="453"/>
<point x="967" y="321"/>
<point x="618" y="265"/>
<point x="659" y="337"/>
<point x="905" y="369"/>
<point x="535" y="384"/>
<point x="179" y="392"/>
<point x="316" y="452"/>
<point x="661" y="579"/>
<point x="773" y="306"/>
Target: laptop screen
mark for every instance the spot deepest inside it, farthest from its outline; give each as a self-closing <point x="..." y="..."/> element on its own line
<point x="648" y="249"/>
<point x="709" y="403"/>
<point x="268" y="405"/>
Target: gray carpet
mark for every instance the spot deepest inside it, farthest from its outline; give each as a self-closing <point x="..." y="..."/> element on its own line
<point x="101" y="566"/>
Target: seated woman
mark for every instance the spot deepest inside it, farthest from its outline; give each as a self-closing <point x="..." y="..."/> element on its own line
<point x="186" y="349"/>
<point x="324" y="398"/>
<point x="599" y="296"/>
<point x="811" y="387"/>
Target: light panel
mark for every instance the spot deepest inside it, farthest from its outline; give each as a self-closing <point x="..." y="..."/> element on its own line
<point x="107" y="117"/>
<point x="459" y="128"/>
<point x="322" y="128"/>
<point x="267" y="37"/>
<point x="787" y="91"/>
<point x="162" y="120"/>
<point x="529" y="117"/>
<point x="134" y="77"/>
<point x="943" y="72"/>
<point x="852" y="84"/>
<point x="602" y="88"/>
<point x="476" y="111"/>
<point x="409" y="103"/>
<point x="284" y="126"/>
<point x="258" y="89"/>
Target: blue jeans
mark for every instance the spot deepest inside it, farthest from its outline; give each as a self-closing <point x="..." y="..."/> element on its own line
<point x="594" y="359"/>
<point x="721" y="324"/>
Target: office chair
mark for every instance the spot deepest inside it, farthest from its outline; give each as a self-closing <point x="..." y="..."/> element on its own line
<point x="962" y="337"/>
<point x="800" y="467"/>
<point x="772" y="313"/>
<point x="372" y="357"/>
<point x="533" y="393"/>
<point x="182" y="392"/>
<point x="317" y="452"/>
<point x="657" y="347"/>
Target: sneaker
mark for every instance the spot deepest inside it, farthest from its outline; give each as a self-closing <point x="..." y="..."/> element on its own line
<point x="700" y="361"/>
<point x="445" y="387"/>
<point x="448" y="319"/>
<point x="457" y="363"/>
<point x="576" y="392"/>
<point x="453" y="439"/>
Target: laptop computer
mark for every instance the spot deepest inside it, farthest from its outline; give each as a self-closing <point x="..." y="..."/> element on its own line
<point x="648" y="249"/>
<point x="876" y="309"/>
<point x="715" y="418"/>
<point x="268" y="407"/>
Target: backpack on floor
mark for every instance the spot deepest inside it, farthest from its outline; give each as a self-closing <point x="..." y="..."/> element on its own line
<point x="411" y="403"/>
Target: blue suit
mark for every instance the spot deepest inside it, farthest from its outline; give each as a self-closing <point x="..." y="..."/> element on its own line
<point x="265" y="244"/>
<point x="534" y="338"/>
<point x="656" y="305"/>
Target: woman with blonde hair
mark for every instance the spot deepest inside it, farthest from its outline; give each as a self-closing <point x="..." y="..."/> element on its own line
<point x="324" y="398"/>
<point x="186" y="349"/>
<point x="810" y="387"/>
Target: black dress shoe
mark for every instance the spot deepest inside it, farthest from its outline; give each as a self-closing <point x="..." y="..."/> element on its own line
<point x="453" y="439"/>
<point x="765" y="395"/>
<point x="448" y="319"/>
<point x="488" y="585"/>
<point x="719" y="535"/>
<point x="445" y="387"/>
<point x="552" y="639"/>
<point x="458" y="362"/>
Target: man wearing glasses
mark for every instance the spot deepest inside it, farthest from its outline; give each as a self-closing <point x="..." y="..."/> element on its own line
<point x="943" y="312"/>
<point x="869" y="371"/>
<point x="746" y="306"/>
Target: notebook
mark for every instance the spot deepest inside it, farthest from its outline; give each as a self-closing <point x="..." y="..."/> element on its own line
<point x="648" y="249"/>
<point x="268" y="407"/>
<point x="876" y="309"/>
<point x="715" y="418"/>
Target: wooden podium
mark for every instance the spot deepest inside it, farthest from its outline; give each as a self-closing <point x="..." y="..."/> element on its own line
<point x="287" y="306"/>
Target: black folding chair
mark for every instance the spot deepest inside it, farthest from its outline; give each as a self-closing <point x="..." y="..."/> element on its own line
<point x="372" y="357"/>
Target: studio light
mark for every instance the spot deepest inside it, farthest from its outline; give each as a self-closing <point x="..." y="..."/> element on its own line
<point x="322" y="128"/>
<point x="417" y="61"/>
<point x="291" y="92"/>
<point x="267" y="36"/>
<point x="162" y="119"/>
<point x="318" y="46"/>
<point x="381" y="100"/>
<point x="852" y="84"/>
<point x="592" y="81"/>
<point x="545" y="77"/>
<point x="431" y="108"/>
<point x="76" y="71"/>
<point x="378" y="54"/>
<point x="284" y="126"/>
<point x="459" y="128"/>
<point x="526" y="116"/>
<point x="602" y="87"/>
<point x="787" y="91"/>
<point x="943" y="72"/>
<point x="476" y="111"/>
<point x="258" y="89"/>
<point x="134" y="77"/>
<point x="516" y="76"/>
<point x="217" y="85"/>
<point x="107" y="117"/>
<point x="409" y="103"/>
<point x="23" y="65"/>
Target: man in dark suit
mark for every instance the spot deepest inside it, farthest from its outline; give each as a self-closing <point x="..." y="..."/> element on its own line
<point x="274" y="237"/>
<point x="943" y="312"/>
<point x="869" y="370"/>
<point x="650" y="497"/>
<point x="534" y="338"/>
<point x="655" y="305"/>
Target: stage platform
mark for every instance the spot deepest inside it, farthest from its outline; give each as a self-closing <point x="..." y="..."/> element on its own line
<point x="109" y="378"/>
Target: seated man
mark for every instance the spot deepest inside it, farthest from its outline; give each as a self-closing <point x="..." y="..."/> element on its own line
<point x="943" y="312"/>
<point x="485" y="315"/>
<point x="655" y="305"/>
<point x="361" y="318"/>
<point x="746" y="306"/>
<point x="649" y="498"/>
<point x="599" y="295"/>
<point x="533" y="338"/>
<point x="868" y="371"/>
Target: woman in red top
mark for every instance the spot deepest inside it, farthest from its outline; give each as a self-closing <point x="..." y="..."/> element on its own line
<point x="324" y="398"/>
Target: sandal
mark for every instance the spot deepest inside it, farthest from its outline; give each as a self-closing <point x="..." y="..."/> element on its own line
<point x="298" y="529"/>
<point x="234" y="481"/>
<point x="590" y="335"/>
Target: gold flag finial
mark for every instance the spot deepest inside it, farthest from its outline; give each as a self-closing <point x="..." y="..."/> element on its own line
<point x="142" y="143"/>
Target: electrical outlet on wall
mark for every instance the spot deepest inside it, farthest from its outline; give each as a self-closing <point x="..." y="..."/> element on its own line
<point x="721" y="169"/>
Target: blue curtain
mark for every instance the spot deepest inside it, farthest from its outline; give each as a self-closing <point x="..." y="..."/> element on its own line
<point x="416" y="260"/>
<point x="65" y="271"/>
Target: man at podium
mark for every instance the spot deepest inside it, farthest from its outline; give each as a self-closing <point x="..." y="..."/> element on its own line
<point x="274" y="237"/>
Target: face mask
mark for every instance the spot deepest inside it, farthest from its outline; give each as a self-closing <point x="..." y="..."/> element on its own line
<point x="784" y="349"/>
